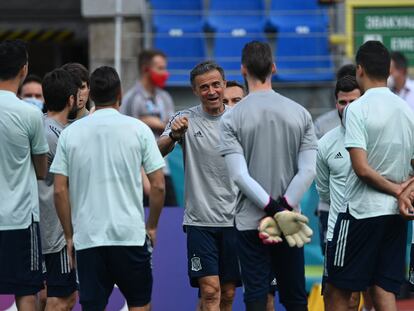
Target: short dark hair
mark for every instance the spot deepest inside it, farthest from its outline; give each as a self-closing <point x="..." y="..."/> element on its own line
<point x="375" y="59"/>
<point x="58" y="85"/>
<point x="13" y="56"/>
<point x="233" y="83"/>
<point x="347" y="83"/>
<point x="105" y="86"/>
<point x="32" y="78"/>
<point x="79" y="70"/>
<point x="146" y="56"/>
<point x="204" y="67"/>
<point x="76" y="79"/>
<point x="399" y="59"/>
<point x="258" y="60"/>
<point x="346" y="70"/>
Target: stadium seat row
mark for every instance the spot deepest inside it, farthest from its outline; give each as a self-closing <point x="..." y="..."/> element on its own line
<point x="301" y="47"/>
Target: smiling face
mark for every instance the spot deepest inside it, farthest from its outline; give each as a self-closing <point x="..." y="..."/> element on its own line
<point x="345" y="98"/>
<point x="232" y="95"/>
<point x="209" y="87"/>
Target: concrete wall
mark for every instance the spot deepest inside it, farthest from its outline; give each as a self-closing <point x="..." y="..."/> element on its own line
<point x="101" y="47"/>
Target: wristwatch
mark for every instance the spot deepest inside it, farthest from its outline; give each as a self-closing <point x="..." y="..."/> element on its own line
<point x="173" y="137"/>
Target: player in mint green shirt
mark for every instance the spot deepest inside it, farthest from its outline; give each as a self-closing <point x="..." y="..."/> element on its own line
<point x="23" y="149"/>
<point x="98" y="197"/>
<point x="369" y="237"/>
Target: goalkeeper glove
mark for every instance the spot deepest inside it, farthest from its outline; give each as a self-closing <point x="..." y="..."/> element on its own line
<point x="269" y="231"/>
<point x="293" y="225"/>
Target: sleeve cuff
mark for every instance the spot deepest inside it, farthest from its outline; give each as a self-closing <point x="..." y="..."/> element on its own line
<point x="354" y="145"/>
<point x="60" y="172"/>
<point x="154" y="168"/>
<point x="41" y="150"/>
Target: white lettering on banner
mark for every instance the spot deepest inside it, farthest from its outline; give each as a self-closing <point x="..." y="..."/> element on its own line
<point x="372" y="36"/>
<point x="389" y="22"/>
<point x="402" y="44"/>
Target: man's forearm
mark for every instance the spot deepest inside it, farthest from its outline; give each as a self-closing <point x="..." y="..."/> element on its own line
<point x="156" y="202"/>
<point x="64" y="211"/>
<point x="238" y="172"/>
<point x="370" y="176"/>
<point x="373" y="179"/>
<point x="165" y="145"/>
<point x="303" y="178"/>
<point x="40" y="165"/>
<point x="156" y="198"/>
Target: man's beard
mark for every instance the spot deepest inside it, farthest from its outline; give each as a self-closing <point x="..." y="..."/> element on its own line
<point x="88" y="104"/>
<point x="74" y="111"/>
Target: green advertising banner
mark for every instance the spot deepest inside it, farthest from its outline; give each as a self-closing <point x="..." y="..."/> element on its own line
<point x="394" y="26"/>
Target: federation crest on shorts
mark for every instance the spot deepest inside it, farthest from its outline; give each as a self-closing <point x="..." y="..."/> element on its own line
<point x="196" y="264"/>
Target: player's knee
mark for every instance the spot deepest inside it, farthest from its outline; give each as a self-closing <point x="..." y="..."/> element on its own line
<point x="227" y="295"/>
<point x="354" y="301"/>
<point x="61" y="304"/>
<point x="210" y="293"/>
<point x="23" y="302"/>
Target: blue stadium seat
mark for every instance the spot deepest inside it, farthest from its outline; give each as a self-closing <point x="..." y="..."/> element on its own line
<point x="228" y="47"/>
<point x="303" y="54"/>
<point x="231" y="14"/>
<point x="184" y="48"/>
<point x="169" y="14"/>
<point x="297" y="12"/>
<point x="302" y="45"/>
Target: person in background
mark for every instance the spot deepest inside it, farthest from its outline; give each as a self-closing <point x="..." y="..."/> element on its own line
<point x="233" y="93"/>
<point x="149" y="102"/>
<point x="31" y="91"/>
<point x="83" y="104"/>
<point x="399" y="82"/>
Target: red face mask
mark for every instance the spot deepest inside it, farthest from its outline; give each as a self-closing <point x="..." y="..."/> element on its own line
<point x="159" y="79"/>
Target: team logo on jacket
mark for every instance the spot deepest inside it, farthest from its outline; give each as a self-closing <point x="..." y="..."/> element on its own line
<point x="198" y="134"/>
<point x="196" y="264"/>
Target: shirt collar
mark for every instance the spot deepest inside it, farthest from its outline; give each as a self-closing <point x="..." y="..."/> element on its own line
<point x="382" y="89"/>
<point x="9" y="93"/>
<point x="105" y="112"/>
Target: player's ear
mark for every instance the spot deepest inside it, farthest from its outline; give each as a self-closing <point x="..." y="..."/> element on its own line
<point x="119" y="97"/>
<point x="23" y="72"/>
<point x="71" y="101"/>
<point x="194" y="90"/>
<point x="359" y="70"/>
<point x="273" y="68"/>
<point x="243" y="70"/>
